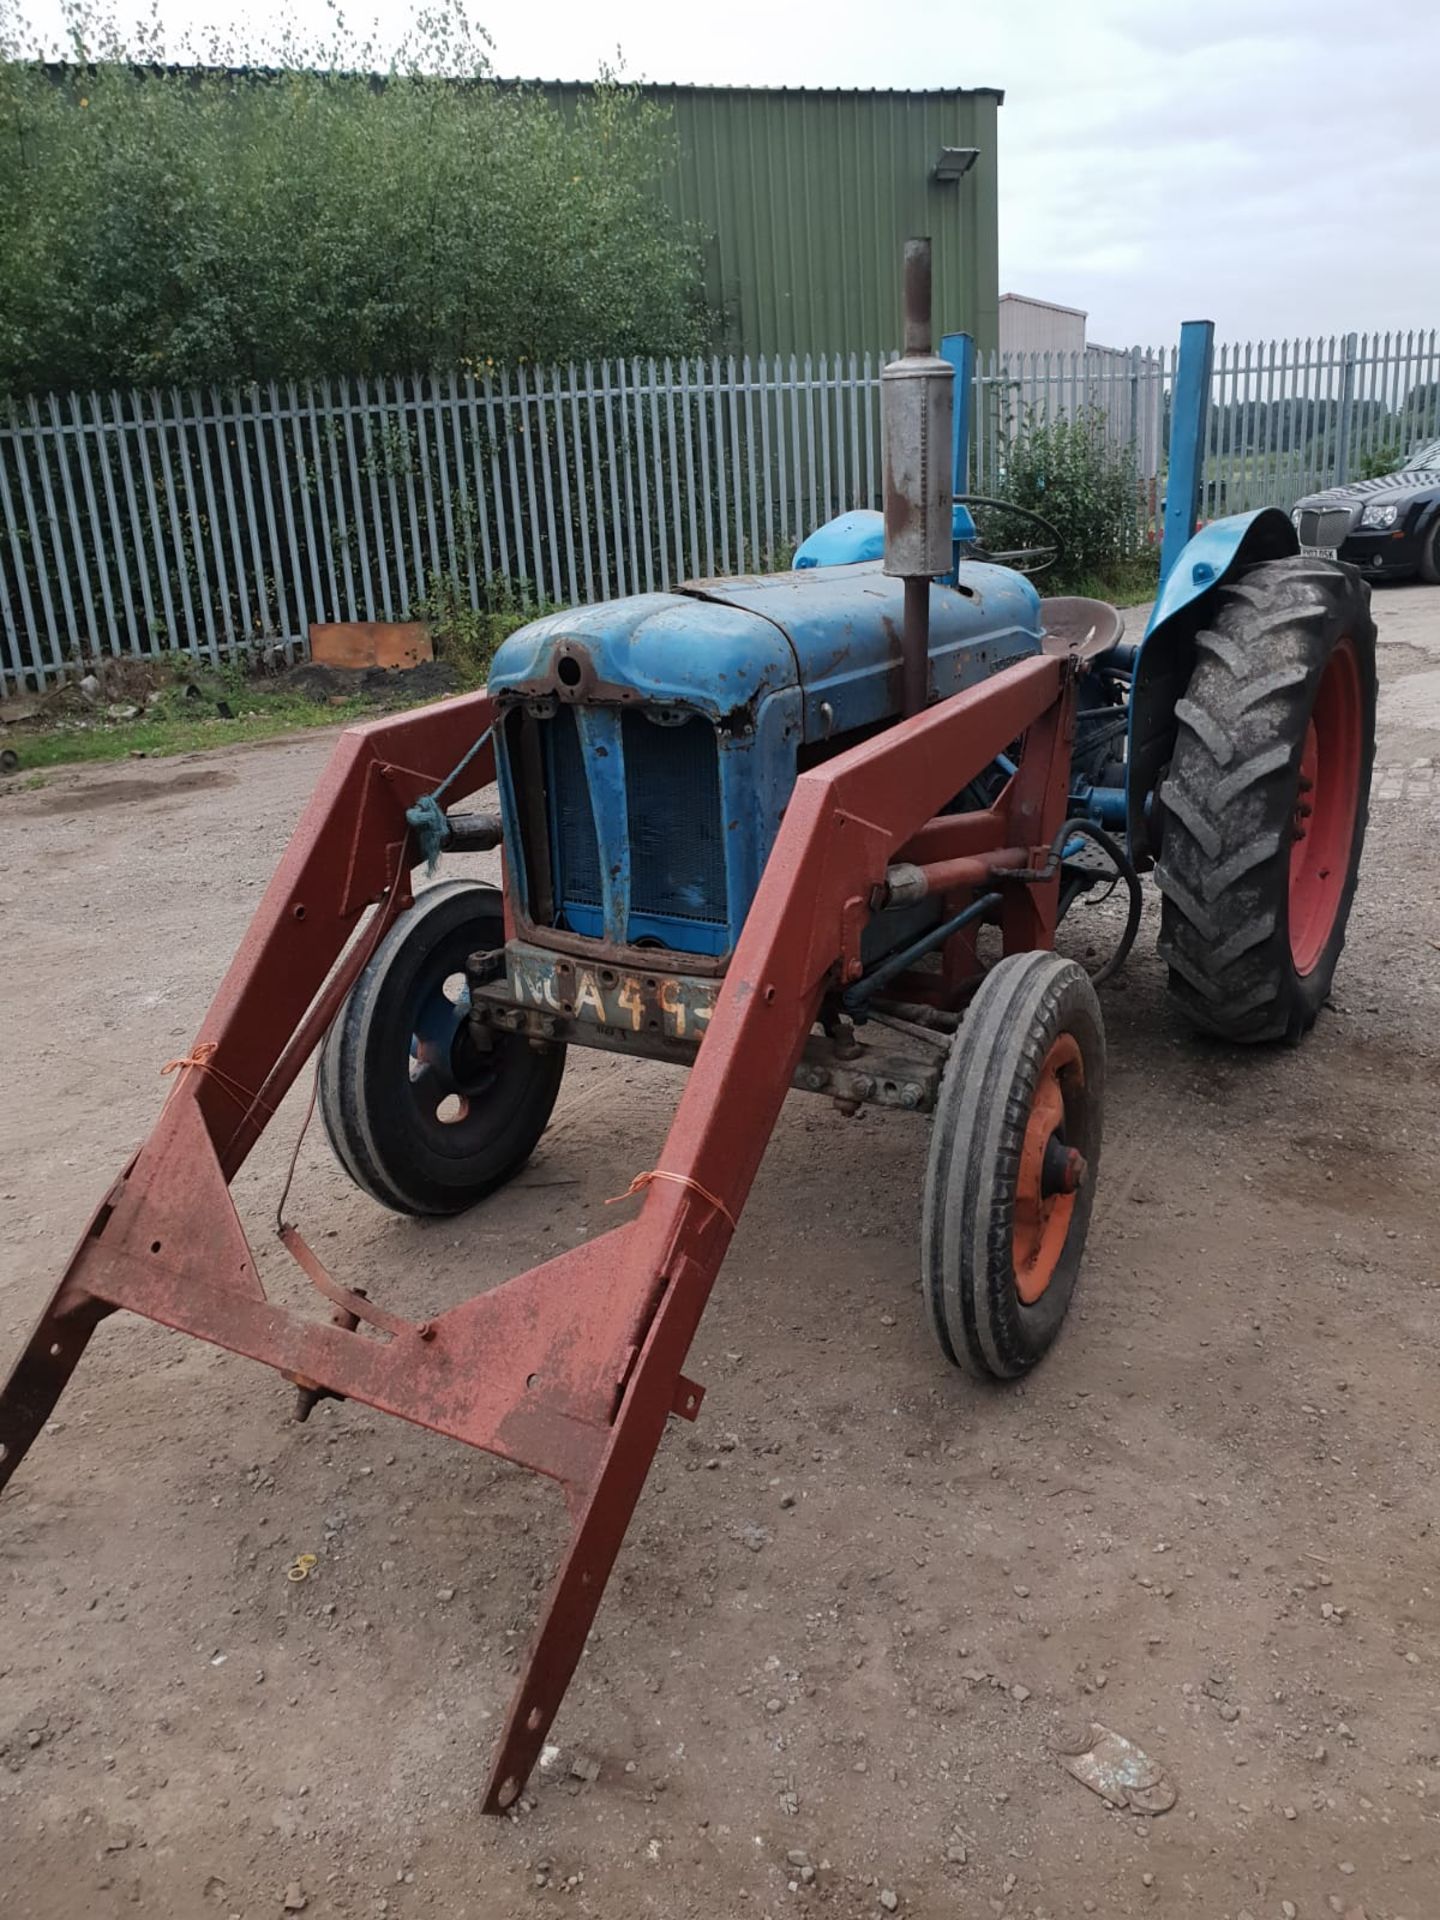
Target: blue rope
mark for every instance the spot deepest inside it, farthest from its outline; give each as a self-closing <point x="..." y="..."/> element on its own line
<point x="427" y="816"/>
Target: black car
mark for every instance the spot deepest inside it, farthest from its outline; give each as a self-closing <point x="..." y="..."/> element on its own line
<point x="1388" y="527"/>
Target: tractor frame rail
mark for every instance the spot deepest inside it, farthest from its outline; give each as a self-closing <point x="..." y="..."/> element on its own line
<point x="573" y="1368"/>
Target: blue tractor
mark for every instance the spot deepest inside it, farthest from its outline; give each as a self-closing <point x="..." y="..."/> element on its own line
<point x="647" y="751"/>
<point x="810" y="830"/>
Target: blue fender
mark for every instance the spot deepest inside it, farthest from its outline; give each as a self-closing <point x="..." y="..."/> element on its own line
<point x="1166" y="655"/>
<point x="844" y="541"/>
<point x="859" y="535"/>
<point x="1215" y="551"/>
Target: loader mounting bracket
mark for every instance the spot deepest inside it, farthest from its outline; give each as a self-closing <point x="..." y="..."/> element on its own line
<point x="571" y="1369"/>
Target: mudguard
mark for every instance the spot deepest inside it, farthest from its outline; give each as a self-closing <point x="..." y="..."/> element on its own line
<point x="1166" y="655"/>
<point x="860" y="535"/>
<point x="844" y="541"/>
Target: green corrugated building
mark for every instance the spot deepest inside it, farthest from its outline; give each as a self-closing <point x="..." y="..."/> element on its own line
<point x="805" y="196"/>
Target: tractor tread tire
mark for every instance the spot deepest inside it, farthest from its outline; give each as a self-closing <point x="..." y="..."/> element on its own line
<point x="967" y="1225"/>
<point x="1228" y="800"/>
<point x="363" y="1069"/>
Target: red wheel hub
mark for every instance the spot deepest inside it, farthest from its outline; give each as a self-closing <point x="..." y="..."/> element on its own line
<point x="1326" y="803"/>
<point x="1049" y="1175"/>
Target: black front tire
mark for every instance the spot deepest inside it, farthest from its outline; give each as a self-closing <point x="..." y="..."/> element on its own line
<point x="1430" y="553"/>
<point x="1235" y="801"/>
<point x="1033" y="1028"/>
<point x="424" y="1118"/>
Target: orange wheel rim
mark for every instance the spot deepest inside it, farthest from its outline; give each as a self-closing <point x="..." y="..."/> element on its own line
<point x="1043" y="1211"/>
<point x="1327" y="800"/>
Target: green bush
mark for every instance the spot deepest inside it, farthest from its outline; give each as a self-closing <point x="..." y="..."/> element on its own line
<point x="209" y="223"/>
<point x="1376" y="464"/>
<point x="466" y="636"/>
<point x="1086" y="486"/>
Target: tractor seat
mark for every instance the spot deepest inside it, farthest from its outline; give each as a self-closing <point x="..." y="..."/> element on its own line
<point x="1078" y="628"/>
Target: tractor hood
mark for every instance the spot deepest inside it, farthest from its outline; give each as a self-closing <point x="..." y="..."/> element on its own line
<point x="659" y="649"/>
<point x="722" y="646"/>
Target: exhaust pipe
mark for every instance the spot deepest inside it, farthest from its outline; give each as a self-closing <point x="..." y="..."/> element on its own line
<point x="917" y="397"/>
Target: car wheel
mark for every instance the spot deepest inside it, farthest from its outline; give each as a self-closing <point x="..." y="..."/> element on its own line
<point x="1430" y="553"/>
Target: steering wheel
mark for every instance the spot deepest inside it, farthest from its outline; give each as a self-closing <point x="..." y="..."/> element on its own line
<point x="1034" y="559"/>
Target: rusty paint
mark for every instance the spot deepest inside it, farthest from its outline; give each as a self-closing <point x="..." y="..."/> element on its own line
<point x="613" y="952"/>
<point x="573" y="1368"/>
<point x="633" y="1000"/>
<point x="572" y="677"/>
<point x="915" y="646"/>
<point x="865" y="1074"/>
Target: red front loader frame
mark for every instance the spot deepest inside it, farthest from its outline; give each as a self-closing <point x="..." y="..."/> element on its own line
<point x="572" y="1368"/>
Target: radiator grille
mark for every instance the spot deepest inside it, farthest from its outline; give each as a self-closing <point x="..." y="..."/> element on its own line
<point x="1323" y="526"/>
<point x="677" y="840"/>
<point x="572" y="824"/>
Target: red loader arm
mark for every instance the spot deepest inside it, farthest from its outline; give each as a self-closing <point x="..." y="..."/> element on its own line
<point x="572" y="1368"/>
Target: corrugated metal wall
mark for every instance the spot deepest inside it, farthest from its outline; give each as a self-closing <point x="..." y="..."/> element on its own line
<point x="1039" y="326"/>
<point x="806" y="198"/>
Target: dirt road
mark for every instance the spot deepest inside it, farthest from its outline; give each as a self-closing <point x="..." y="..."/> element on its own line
<point x="860" y="1595"/>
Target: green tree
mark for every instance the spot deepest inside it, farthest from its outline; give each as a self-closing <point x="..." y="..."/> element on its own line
<point x="334" y="212"/>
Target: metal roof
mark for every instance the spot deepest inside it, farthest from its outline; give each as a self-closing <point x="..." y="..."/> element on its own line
<point x="701" y="86"/>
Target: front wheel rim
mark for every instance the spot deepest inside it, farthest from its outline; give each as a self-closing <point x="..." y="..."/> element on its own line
<point x="1045" y="1207"/>
<point x="448" y="1078"/>
<point x="1326" y="803"/>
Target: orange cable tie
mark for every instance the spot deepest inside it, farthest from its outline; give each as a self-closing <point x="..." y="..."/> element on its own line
<point x="201" y="1059"/>
<point x="642" y="1180"/>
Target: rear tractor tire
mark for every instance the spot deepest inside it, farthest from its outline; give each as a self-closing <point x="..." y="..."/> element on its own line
<point x="1014" y="1156"/>
<point x="1266" y="801"/>
<point x="424" y="1115"/>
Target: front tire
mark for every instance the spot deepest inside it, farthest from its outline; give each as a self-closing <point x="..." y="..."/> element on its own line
<point x="1430" y="553"/>
<point x="424" y="1117"/>
<point x="1014" y="1156"/>
<point x="1266" y="802"/>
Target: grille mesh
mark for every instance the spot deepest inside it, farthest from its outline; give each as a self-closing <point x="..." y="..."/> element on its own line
<point x="577" y="858"/>
<point x="677" y="841"/>
<point x="1323" y="526"/>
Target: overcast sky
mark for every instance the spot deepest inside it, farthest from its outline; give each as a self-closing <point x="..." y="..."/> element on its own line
<point x="1273" y="165"/>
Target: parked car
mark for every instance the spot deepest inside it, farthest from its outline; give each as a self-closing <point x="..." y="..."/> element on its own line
<point x="1389" y="527"/>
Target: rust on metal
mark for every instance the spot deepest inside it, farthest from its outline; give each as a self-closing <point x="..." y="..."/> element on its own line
<point x="917" y="297"/>
<point x="916" y="394"/>
<point x="916" y="645"/>
<point x="573" y="1368"/>
<point x="353" y="1303"/>
<point x="644" y="999"/>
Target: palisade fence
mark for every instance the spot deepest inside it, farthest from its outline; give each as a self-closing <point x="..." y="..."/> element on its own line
<point x="209" y="524"/>
<point x="1124" y="393"/>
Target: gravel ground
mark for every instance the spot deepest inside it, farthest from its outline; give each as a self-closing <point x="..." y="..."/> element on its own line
<point x="860" y="1596"/>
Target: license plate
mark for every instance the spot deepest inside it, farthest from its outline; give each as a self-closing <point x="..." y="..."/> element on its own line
<point x="1321" y="553"/>
<point x="675" y="1005"/>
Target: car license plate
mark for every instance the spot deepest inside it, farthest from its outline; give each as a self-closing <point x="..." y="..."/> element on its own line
<point x="1321" y="553"/>
<point x="677" y="1006"/>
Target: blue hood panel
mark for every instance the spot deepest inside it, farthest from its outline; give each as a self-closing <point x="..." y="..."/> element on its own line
<point x="656" y="826"/>
<point x="844" y="624"/>
<point x="722" y="646"/>
<point x="657" y="648"/>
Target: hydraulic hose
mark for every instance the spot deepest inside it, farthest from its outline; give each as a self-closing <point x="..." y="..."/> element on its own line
<point x="1124" y="870"/>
